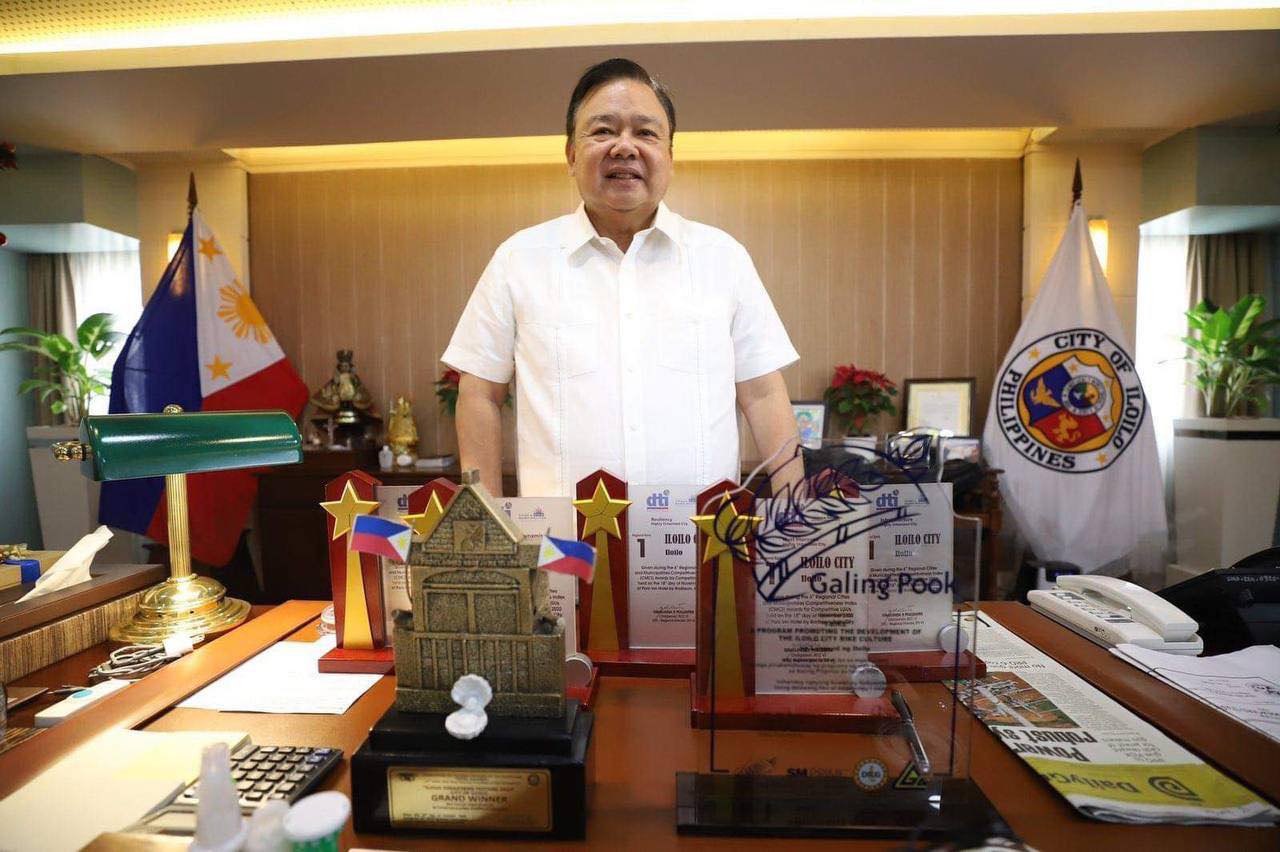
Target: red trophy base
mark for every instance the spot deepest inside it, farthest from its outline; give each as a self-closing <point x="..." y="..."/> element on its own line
<point x="677" y="663"/>
<point x="586" y="694"/>
<point x="829" y="712"/>
<point x="358" y="661"/>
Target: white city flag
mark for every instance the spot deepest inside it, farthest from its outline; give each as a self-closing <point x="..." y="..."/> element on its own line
<point x="1069" y="423"/>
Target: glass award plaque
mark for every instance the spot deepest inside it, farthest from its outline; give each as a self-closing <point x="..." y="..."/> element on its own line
<point x="831" y="624"/>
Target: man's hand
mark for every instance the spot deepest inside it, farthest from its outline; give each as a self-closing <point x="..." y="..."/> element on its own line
<point x="767" y="406"/>
<point x="479" y="426"/>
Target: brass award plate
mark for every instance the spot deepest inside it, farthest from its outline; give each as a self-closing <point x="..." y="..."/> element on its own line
<point x="469" y="799"/>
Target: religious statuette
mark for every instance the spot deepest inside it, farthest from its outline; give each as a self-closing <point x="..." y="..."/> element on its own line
<point x="402" y="432"/>
<point x="480" y="615"/>
<point x="344" y="407"/>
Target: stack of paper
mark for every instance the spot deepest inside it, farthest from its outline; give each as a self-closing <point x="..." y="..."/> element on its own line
<point x="1245" y="684"/>
<point x="284" y="679"/>
<point x="106" y="784"/>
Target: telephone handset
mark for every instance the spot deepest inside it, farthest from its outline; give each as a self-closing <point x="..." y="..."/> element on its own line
<point x="1112" y="612"/>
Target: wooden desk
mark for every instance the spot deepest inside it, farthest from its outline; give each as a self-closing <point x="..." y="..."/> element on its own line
<point x="642" y="738"/>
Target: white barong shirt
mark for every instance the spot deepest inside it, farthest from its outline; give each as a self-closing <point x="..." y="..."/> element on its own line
<point x="622" y="361"/>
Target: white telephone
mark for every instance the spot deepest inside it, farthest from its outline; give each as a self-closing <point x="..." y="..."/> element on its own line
<point x="1112" y="612"/>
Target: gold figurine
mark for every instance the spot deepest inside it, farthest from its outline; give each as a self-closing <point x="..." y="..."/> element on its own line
<point x="402" y="431"/>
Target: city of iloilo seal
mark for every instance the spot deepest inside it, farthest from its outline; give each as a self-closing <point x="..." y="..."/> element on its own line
<point x="1070" y="401"/>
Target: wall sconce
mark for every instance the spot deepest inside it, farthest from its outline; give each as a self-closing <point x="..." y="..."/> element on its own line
<point x="171" y="244"/>
<point x="1098" y="234"/>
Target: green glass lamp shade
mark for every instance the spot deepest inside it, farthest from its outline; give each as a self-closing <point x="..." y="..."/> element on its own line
<point x="132" y="446"/>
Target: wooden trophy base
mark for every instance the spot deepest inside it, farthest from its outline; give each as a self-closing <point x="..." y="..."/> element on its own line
<point x="673" y="663"/>
<point x="833" y="713"/>
<point x="358" y="661"/>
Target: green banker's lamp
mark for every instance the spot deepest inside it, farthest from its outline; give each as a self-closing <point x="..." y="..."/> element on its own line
<point x="173" y="444"/>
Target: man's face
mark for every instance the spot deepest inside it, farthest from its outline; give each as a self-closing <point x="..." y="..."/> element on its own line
<point x="620" y="155"/>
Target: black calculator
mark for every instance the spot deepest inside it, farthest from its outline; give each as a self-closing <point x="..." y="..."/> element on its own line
<point x="262" y="773"/>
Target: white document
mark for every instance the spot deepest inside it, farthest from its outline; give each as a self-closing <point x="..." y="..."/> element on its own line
<point x="1245" y="684"/>
<point x="554" y="515"/>
<point x="846" y="577"/>
<point x="284" y="679"/>
<point x="662" y="565"/>
<point x="105" y="785"/>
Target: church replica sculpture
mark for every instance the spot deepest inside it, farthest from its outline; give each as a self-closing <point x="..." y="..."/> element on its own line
<point x="480" y="610"/>
<point x="480" y="606"/>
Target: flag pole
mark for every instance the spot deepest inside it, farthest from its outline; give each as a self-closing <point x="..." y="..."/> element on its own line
<point x="192" y="201"/>
<point x="1077" y="185"/>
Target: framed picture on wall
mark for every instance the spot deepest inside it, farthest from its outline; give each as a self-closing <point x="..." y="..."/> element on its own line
<point x="942" y="404"/>
<point x="811" y="419"/>
<point x="965" y="448"/>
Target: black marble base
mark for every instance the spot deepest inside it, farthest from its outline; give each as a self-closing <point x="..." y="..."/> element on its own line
<point x="553" y="751"/>
<point x="797" y="806"/>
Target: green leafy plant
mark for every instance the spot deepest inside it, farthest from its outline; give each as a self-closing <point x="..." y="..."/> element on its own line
<point x="65" y="377"/>
<point x="1234" y="356"/>
<point x="854" y="396"/>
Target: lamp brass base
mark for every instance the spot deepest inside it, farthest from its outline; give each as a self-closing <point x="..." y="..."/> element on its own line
<point x="191" y="605"/>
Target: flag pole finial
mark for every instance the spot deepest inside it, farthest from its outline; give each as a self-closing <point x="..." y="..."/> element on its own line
<point x="1077" y="185"/>
<point x="191" y="194"/>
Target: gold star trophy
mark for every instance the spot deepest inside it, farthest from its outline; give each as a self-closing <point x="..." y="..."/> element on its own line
<point x="602" y="522"/>
<point x="725" y="611"/>
<point x="604" y="618"/>
<point x="358" y="608"/>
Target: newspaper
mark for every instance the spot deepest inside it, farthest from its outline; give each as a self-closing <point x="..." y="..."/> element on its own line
<point x="1105" y="761"/>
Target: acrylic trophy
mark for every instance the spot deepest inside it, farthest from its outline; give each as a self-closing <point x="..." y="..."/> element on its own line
<point x="604" y="611"/>
<point x="833" y="623"/>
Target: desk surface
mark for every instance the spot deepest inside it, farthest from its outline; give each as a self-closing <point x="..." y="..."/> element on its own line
<point x="642" y="738"/>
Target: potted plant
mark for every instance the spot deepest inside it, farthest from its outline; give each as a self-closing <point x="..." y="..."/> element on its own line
<point x="1226" y="465"/>
<point x="855" y="396"/>
<point x="1234" y="356"/>
<point x="447" y="391"/>
<point x="65" y="377"/>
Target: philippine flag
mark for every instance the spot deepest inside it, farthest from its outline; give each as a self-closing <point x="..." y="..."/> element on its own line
<point x="381" y="537"/>
<point x="566" y="556"/>
<point x="202" y="344"/>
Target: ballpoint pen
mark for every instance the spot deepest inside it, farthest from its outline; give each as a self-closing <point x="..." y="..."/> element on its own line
<point x="912" y="735"/>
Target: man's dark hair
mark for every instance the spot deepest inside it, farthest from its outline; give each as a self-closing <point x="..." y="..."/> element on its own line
<point x="608" y="71"/>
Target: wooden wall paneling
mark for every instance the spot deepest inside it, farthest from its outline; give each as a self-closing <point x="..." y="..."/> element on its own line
<point x="912" y="267"/>
<point x="926" y="271"/>
<point x="1008" y="272"/>
<point x="899" y="273"/>
<point x="954" y="269"/>
<point x="843" y="306"/>
<point x="984" y="226"/>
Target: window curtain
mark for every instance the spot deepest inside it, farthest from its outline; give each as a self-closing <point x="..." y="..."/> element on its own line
<point x="51" y="296"/>
<point x="107" y="282"/>
<point x="1224" y="268"/>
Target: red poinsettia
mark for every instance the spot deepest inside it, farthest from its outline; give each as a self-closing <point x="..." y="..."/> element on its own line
<point x="447" y="391"/>
<point x="854" y="396"/>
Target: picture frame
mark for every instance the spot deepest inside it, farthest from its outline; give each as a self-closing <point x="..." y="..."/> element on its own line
<point x="964" y="447"/>
<point x="811" y="421"/>
<point x="945" y="405"/>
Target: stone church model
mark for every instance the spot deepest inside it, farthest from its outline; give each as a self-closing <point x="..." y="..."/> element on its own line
<point x="480" y="606"/>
